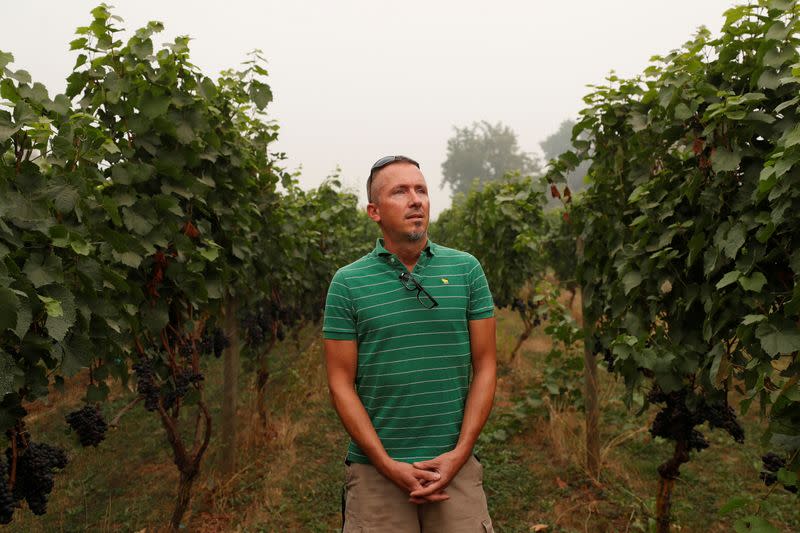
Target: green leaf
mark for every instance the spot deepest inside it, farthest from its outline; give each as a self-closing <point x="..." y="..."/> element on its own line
<point x="9" y="307"/>
<point x="729" y="278"/>
<point x="153" y="105"/>
<point x="787" y="477"/>
<point x="24" y="319"/>
<point x="734" y="504"/>
<point x="792" y="137"/>
<point x="21" y="76"/>
<point x="752" y="319"/>
<point x="769" y="79"/>
<point x="724" y="160"/>
<point x="7" y="130"/>
<point x="261" y="94"/>
<point x="782" y="5"/>
<point x="5" y="59"/>
<point x="754" y="283"/>
<point x="136" y="222"/>
<point x="78" y="44"/>
<point x="66" y="198"/>
<point x="52" y="306"/>
<point x="43" y="272"/>
<point x="8" y="372"/>
<point x="778" y="31"/>
<point x="155" y="318"/>
<point x="778" y="336"/>
<point x="58" y="325"/>
<point x="131" y="259"/>
<point x="682" y="111"/>
<point x="734" y="240"/>
<point x="794" y="262"/>
<point x="753" y="524"/>
<point x="631" y="280"/>
<point x="210" y="253"/>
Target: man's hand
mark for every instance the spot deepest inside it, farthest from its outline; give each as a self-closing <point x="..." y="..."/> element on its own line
<point x="412" y="479"/>
<point x="447" y="466"/>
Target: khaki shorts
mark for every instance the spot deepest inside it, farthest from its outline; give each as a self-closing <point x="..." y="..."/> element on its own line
<point x="373" y="504"/>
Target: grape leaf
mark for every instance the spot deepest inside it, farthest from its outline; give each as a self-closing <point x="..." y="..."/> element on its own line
<point x="778" y="335"/>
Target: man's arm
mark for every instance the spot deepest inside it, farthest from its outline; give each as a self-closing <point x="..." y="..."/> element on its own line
<point x="341" y="358"/>
<point x="477" y="409"/>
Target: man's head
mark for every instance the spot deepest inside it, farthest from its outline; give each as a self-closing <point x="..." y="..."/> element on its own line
<point x="398" y="198"/>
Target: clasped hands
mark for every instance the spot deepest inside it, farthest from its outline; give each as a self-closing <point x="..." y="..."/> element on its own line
<point x="426" y="481"/>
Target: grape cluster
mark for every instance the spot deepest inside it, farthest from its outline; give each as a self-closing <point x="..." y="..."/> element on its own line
<point x="146" y="383"/>
<point x="528" y="310"/>
<point x="773" y="462"/>
<point x="219" y="342"/>
<point x="213" y="341"/>
<point x="182" y="381"/>
<point x="676" y="421"/>
<point x="186" y="350"/>
<point x="257" y="325"/>
<point x="7" y="502"/>
<point x="89" y="424"/>
<point x="608" y="356"/>
<point x="34" y="476"/>
<point x="722" y="416"/>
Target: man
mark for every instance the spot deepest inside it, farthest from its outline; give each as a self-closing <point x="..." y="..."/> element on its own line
<point x="403" y="327"/>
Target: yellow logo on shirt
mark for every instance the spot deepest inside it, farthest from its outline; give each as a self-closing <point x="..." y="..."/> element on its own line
<point x="445" y="281"/>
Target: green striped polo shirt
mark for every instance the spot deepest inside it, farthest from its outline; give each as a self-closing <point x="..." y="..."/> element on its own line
<point x="414" y="363"/>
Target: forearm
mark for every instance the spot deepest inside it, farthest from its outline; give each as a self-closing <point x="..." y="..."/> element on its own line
<point x="356" y="422"/>
<point x="476" y="411"/>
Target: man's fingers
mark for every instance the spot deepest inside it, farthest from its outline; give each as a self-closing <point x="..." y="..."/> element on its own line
<point x="426" y="476"/>
<point x="427" y="490"/>
<point x="426" y="465"/>
<point x="438" y="497"/>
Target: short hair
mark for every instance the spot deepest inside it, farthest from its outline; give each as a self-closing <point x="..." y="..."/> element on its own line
<point x="385" y="162"/>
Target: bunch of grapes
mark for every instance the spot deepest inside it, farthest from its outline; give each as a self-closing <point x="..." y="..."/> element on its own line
<point x="213" y="341"/>
<point x="721" y="416"/>
<point x="206" y="344"/>
<point x="182" y="381"/>
<point x="257" y="324"/>
<point x="608" y="356"/>
<point x="220" y="342"/>
<point x="677" y="422"/>
<point x="146" y="384"/>
<point x="186" y="350"/>
<point x="34" y="475"/>
<point x="7" y="501"/>
<point x="773" y="462"/>
<point x="89" y="424"/>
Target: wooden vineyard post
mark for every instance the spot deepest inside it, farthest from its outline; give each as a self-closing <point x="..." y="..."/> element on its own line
<point x="590" y="396"/>
<point x="229" y="388"/>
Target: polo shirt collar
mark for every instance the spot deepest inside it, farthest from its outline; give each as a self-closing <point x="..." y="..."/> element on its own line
<point x="380" y="251"/>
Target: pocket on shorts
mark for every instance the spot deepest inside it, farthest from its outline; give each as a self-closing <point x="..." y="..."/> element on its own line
<point x="479" y="467"/>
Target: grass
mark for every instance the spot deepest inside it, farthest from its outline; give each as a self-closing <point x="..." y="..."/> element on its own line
<point x="290" y="473"/>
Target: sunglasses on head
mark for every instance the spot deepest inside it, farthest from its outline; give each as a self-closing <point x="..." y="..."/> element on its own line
<point x="382" y="162"/>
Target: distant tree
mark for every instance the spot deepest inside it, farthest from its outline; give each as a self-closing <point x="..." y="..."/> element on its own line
<point x="558" y="143"/>
<point x="484" y="151"/>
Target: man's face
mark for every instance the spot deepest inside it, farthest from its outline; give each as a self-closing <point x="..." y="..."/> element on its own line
<point x="400" y="201"/>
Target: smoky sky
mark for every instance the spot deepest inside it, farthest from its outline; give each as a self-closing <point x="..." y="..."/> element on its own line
<point x="356" y="80"/>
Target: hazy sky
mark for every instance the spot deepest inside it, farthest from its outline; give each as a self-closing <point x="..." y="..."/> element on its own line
<point x="356" y="80"/>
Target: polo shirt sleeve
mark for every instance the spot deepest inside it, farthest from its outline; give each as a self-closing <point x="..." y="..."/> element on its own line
<point x="340" y="320"/>
<point x="481" y="303"/>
